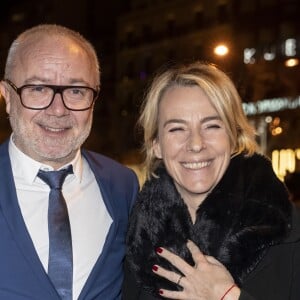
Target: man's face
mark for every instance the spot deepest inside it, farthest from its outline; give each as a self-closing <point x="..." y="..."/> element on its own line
<point x="52" y="135"/>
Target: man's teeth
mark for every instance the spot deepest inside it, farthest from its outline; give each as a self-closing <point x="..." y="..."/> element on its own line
<point x="54" y="129"/>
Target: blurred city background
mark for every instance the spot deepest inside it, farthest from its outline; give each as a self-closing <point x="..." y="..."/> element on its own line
<point x="257" y="42"/>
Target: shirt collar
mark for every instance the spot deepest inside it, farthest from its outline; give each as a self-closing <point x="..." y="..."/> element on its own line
<point x="27" y="168"/>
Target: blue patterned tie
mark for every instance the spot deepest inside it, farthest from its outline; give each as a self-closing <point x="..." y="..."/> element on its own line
<point x="60" y="265"/>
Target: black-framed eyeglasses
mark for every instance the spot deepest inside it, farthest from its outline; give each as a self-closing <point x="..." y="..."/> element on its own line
<point x="41" y="96"/>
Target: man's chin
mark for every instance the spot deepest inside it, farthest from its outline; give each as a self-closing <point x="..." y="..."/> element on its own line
<point x="56" y="154"/>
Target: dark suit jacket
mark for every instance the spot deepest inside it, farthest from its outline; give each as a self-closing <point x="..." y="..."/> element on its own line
<point x="277" y="277"/>
<point x="22" y="275"/>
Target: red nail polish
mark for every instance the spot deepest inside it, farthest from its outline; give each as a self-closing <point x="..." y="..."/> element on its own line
<point x="154" y="268"/>
<point x="159" y="250"/>
<point x="160" y="292"/>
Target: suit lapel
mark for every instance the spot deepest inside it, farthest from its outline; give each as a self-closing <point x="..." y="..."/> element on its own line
<point x="15" y="222"/>
<point x="104" y="185"/>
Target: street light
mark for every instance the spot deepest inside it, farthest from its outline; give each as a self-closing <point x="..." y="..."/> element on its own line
<point x="291" y="62"/>
<point x="221" y="50"/>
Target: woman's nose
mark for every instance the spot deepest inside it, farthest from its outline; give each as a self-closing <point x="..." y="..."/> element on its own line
<point x="195" y="142"/>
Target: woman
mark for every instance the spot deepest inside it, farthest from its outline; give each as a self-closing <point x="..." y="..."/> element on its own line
<point x="212" y="221"/>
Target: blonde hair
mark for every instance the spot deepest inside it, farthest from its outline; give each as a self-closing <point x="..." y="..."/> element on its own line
<point x="48" y="30"/>
<point x="222" y="94"/>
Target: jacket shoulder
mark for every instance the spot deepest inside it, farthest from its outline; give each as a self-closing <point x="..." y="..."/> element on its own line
<point x="104" y="162"/>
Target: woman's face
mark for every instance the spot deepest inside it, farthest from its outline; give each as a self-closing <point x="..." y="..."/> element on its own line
<point x="192" y="141"/>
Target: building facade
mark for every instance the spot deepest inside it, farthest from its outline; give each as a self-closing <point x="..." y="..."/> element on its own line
<point x="262" y="38"/>
<point x="136" y="38"/>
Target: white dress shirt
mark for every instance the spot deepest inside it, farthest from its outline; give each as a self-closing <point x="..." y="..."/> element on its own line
<point x="89" y="218"/>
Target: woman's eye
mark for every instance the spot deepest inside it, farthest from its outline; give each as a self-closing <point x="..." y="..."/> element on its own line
<point x="212" y="126"/>
<point x="176" y="129"/>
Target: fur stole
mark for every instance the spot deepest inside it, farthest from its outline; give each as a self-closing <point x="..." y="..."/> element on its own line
<point x="246" y="213"/>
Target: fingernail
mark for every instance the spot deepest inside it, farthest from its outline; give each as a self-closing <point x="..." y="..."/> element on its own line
<point x="160" y="292"/>
<point x="154" y="268"/>
<point x="159" y="250"/>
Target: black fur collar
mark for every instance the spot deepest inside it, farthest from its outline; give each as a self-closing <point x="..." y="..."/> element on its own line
<point x="246" y="213"/>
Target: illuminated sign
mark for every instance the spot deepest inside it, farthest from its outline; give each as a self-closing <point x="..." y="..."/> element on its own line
<point x="285" y="160"/>
<point x="270" y="105"/>
<point x="288" y="49"/>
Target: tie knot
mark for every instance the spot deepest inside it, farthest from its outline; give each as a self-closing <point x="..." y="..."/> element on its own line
<point x="55" y="179"/>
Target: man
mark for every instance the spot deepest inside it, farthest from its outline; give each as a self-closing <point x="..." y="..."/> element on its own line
<point x="50" y="85"/>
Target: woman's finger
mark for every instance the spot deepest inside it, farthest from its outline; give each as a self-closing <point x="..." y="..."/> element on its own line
<point x="213" y="261"/>
<point x="175" y="260"/>
<point x="197" y="255"/>
<point x="171" y="294"/>
<point x="169" y="275"/>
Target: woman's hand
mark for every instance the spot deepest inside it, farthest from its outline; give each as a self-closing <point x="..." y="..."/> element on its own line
<point x="208" y="279"/>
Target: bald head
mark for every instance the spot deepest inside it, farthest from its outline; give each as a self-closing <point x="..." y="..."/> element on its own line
<point x="49" y="33"/>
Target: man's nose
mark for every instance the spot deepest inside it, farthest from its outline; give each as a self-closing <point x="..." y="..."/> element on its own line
<point x="57" y="106"/>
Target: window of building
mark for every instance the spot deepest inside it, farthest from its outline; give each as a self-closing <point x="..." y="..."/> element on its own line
<point x="199" y="19"/>
<point x="198" y="52"/>
<point x="139" y="4"/>
<point x="147" y="33"/>
<point x="130" y="39"/>
<point x="171" y="55"/>
<point x="246" y="6"/>
<point x="147" y="68"/>
<point x="130" y="70"/>
<point x="222" y="13"/>
<point x="171" y="27"/>
<point x="267" y="3"/>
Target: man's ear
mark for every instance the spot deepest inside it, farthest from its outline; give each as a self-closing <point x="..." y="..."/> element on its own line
<point x="5" y="94"/>
<point x="156" y="148"/>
